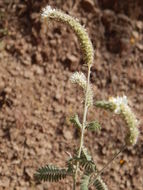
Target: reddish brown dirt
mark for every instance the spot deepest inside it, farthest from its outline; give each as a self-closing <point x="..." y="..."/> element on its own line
<point x="37" y="98"/>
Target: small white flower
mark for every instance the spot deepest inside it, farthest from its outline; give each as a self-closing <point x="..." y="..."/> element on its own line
<point x="47" y="11"/>
<point x="118" y="102"/>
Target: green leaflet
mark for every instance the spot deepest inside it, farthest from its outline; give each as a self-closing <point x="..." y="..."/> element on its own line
<point x="50" y="173"/>
<point x="75" y="120"/>
<point x="99" y="184"/>
<point x="85" y="154"/>
<point x="89" y="166"/>
<point x="86" y="162"/>
<point x="93" y="126"/>
<point x="85" y="182"/>
<point x="70" y="165"/>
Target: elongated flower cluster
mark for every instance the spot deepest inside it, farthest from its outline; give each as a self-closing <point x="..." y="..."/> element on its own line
<point x="80" y="79"/>
<point x="132" y="124"/>
<point x="119" y="105"/>
<point x="86" y="45"/>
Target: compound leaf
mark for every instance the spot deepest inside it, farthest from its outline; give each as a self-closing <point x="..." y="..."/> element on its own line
<point x="86" y="162"/>
<point x="85" y="154"/>
<point x="93" y="126"/>
<point x="75" y="120"/>
<point x="89" y="166"/>
<point x="99" y="184"/>
<point x="50" y="173"/>
<point x="85" y="182"/>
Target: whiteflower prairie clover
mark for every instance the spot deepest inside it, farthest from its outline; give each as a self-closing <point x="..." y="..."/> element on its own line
<point x="81" y="164"/>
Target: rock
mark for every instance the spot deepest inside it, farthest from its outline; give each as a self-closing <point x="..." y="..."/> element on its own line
<point x="140" y="46"/>
<point x="26" y="60"/>
<point x="2" y="85"/>
<point x="123" y="19"/>
<point x="37" y="58"/>
<point x="37" y="70"/>
<point x="104" y="150"/>
<point x="87" y="5"/>
<point x="28" y="74"/>
<point x="108" y="17"/>
<point x="67" y="134"/>
<point x="29" y="172"/>
<point x="139" y="25"/>
<point x="4" y="182"/>
<point x="39" y="187"/>
<point x="135" y="34"/>
<point x="71" y="61"/>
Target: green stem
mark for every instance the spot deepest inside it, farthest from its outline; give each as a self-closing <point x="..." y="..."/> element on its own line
<point x="83" y="127"/>
<point x="108" y="163"/>
<point x="112" y="159"/>
<point x="74" y="182"/>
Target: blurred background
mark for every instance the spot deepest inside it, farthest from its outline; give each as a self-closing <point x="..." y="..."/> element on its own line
<point x="36" y="97"/>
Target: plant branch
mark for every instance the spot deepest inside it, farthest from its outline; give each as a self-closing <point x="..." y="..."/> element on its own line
<point x="83" y="126"/>
<point x="106" y="165"/>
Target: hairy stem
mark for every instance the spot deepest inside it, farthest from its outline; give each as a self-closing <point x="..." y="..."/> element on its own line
<point x="108" y="163"/>
<point x="83" y="126"/>
<point x="74" y="182"/>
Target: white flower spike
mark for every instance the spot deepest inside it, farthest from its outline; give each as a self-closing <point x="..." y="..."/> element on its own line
<point x="47" y="11"/>
<point x="79" y="30"/>
<point x="122" y="107"/>
<point x="80" y="79"/>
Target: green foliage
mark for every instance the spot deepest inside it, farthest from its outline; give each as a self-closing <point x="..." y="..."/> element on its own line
<point x="85" y="154"/>
<point x="99" y="184"/>
<point x="86" y="162"/>
<point x="85" y="182"/>
<point x="75" y="120"/>
<point x="89" y="166"/>
<point x="93" y="126"/>
<point x="50" y="173"/>
<point x="70" y="165"/>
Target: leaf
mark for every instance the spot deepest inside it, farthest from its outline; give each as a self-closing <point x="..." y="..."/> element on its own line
<point x="86" y="162"/>
<point x="84" y="153"/>
<point x="89" y="166"/>
<point x="70" y="165"/>
<point x="99" y="184"/>
<point x="93" y="126"/>
<point x="75" y="120"/>
<point x="85" y="182"/>
<point x="50" y="173"/>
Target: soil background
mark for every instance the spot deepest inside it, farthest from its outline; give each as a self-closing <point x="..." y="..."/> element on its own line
<point x="37" y="99"/>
